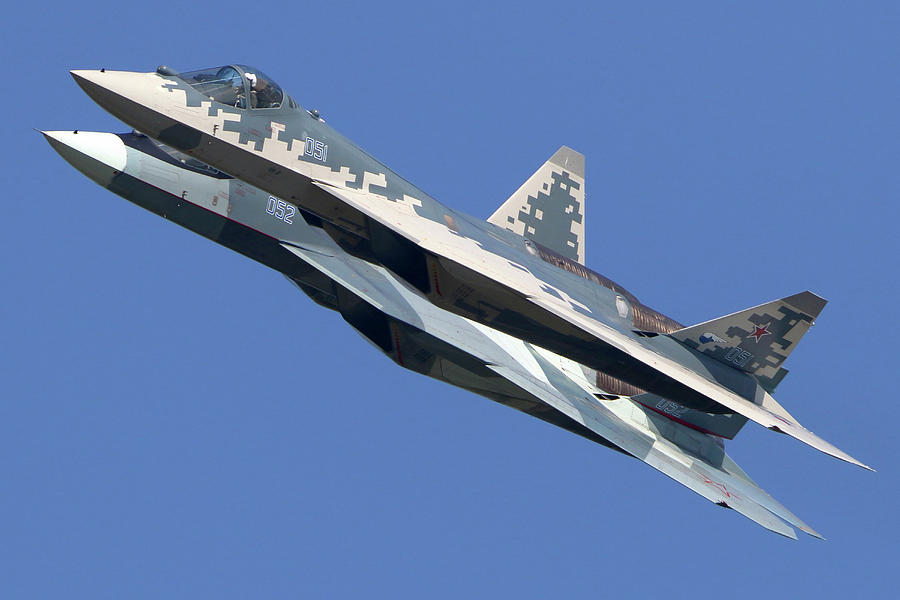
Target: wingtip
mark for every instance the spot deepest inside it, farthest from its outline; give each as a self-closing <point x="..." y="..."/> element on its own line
<point x="798" y="432"/>
<point x="807" y="302"/>
<point x="788" y="532"/>
<point x="813" y="533"/>
<point x="847" y="458"/>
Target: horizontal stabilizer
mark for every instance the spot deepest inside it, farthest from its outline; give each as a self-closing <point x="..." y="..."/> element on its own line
<point x="549" y="207"/>
<point x="756" y="340"/>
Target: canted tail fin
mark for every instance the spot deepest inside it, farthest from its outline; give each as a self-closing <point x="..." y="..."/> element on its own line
<point x="757" y="340"/>
<point x="549" y="207"/>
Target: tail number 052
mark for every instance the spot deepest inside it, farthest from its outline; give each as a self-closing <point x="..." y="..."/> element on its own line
<point x="281" y="209"/>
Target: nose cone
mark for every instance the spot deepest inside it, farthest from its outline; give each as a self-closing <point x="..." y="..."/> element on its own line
<point x="96" y="85"/>
<point x="100" y="156"/>
<point x="82" y="76"/>
<point x="129" y="96"/>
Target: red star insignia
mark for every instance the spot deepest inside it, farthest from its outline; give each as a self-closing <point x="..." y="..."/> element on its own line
<point x="721" y="486"/>
<point x="760" y="330"/>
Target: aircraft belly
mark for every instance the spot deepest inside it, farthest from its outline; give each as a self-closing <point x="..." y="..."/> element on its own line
<point x="405" y="304"/>
<point x="434" y="357"/>
<point x="466" y="353"/>
<point x="231" y="234"/>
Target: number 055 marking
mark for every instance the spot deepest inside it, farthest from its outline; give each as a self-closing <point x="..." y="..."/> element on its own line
<point x="281" y="209"/>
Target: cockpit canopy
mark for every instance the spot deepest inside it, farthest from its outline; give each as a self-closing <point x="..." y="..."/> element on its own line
<point x="236" y="85"/>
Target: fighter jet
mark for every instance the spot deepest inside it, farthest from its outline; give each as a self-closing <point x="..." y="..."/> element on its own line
<point x="503" y="307"/>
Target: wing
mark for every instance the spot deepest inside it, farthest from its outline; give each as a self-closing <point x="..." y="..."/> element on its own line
<point x="704" y="469"/>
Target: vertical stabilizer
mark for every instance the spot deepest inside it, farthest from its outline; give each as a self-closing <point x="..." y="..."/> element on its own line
<point x="549" y="207"/>
<point x="757" y="340"/>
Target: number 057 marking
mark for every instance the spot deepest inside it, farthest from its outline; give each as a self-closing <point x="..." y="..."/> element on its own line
<point x="281" y="209"/>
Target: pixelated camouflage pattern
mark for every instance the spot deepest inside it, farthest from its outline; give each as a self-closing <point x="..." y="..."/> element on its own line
<point x="549" y="207"/>
<point x="757" y="340"/>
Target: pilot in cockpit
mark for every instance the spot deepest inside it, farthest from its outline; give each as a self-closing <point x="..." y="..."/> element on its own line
<point x="232" y="84"/>
<point x="262" y="93"/>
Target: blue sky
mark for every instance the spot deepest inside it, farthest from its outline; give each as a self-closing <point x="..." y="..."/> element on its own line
<point x="177" y="421"/>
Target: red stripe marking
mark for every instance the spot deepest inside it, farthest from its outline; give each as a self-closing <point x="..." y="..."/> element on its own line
<point x="677" y="420"/>
<point x="434" y="276"/>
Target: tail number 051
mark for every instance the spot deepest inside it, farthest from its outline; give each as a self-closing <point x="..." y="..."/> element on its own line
<point x="316" y="149"/>
<point x="281" y="209"/>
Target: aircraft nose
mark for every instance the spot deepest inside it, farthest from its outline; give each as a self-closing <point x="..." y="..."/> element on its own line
<point x="127" y="95"/>
<point x="79" y="75"/>
<point x="91" y="81"/>
<point x="100" y="156"/>
<point x="89" y="76"/>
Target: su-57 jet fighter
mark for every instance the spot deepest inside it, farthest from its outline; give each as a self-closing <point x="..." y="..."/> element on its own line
<point x="503" y="307"/>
